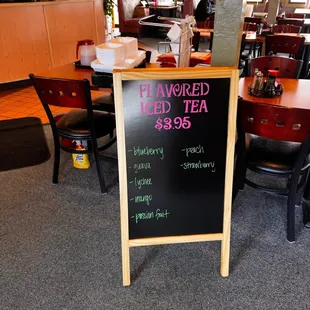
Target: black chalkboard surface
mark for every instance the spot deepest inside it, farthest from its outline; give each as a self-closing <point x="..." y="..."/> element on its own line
<point x="176" y="138"/>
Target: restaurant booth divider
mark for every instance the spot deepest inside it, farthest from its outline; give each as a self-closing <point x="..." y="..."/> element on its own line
<point x="176" y="138"/>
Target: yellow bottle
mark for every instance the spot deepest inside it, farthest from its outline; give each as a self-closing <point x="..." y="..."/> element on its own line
<point x="80" y="161"/>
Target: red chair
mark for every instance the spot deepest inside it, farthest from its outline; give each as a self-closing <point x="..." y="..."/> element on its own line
<point x="291" y="21"/>
<point x="196" y="41"/>
<point x="286" y="29"/>
<point x="294" y="46"/>
<point x="206" y="24"/>
<point x="274" y="141"/>
<point x="249" y="27"/>
<point x="295" y="15"/>
<point x="253" y="20"/>
<point x="255" y="46"/>
<point x="127" y="23"/>
<point x="82" y="123"/>
<point x="287" y="67"/>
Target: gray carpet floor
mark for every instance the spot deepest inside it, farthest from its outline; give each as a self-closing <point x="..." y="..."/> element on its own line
<point x="60" y="249"/>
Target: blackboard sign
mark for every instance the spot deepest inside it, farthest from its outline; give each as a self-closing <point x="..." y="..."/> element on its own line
<point x="173" y="137"/>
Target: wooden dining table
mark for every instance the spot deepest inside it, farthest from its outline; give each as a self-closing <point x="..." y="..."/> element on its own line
<point x="295" y="94"/>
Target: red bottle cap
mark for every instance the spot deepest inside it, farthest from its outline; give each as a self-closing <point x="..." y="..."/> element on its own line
<point x="273" y="72"/>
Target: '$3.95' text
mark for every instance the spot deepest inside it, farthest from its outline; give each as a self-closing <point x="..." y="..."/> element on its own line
<point x="176" y="123"/>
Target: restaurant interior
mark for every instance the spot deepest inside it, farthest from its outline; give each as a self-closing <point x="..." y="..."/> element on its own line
<point x="61" y="234"/>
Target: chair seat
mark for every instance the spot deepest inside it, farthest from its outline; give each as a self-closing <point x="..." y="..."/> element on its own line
<point x="76" y="123"/>
<point x="272" y="156"/>
<point x="133" y="22"/>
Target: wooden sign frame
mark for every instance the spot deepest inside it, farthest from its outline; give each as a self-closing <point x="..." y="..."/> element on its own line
<point x="175" y="74"/>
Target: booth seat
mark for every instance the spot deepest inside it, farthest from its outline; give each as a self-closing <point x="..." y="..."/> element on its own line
<point x="127" y="23"/>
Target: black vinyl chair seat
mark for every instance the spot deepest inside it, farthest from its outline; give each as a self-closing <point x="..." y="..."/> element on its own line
<point x="76" y="123"/>
<point x="273" y="156"/>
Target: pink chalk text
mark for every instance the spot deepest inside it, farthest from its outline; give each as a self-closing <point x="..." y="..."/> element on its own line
<point x="163" y="106"/>
<point x="176" y="123"/>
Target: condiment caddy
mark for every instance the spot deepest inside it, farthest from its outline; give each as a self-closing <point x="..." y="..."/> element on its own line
<point x="265" y="88"/>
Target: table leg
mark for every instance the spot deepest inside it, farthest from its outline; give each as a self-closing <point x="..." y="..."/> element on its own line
<point x="305" y="66"/>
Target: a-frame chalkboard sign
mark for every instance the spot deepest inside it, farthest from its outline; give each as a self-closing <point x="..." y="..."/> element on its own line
<point x="176" y="138"/>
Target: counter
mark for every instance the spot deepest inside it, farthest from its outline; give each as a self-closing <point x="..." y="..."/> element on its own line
<point x="38" y="36"/>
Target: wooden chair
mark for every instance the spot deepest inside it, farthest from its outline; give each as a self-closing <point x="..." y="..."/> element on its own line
<point x="249" y="27"/>
<point x="207" y="24"/>
<point x="287" y="67"/>
<point x="210" y="24"/>
<point x="274" y="141"/>
<point x="211" y="41"/>
<point x="291" y="21"/>
<point x="294" y="46"/>
<point x="253" y="20"/>
<point x="195" y="41"/>
<point x="254" y="47"/>
<point x="286" y="29"/>
<point x="295" y="15"/>
<point x="127" y="23"/>
<point x="82" y="123"/>
<point x="242" y="57"/>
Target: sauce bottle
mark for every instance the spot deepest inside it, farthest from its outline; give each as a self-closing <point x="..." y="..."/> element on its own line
<point x="270" y="89"/>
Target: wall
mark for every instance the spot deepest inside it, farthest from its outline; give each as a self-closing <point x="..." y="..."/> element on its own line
<point x="38" y="36"/>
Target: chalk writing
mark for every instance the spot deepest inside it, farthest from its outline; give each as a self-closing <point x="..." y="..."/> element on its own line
<point x="156" y="107"/>
<point x="148" y="151"/>
<point x="193" y="150"/>
<point x="176" y="90"/>
<point x="141" y="166"/>
<point x="199" y="165"/>
<point x="143" y="216"/>
<point x="142" y="182"/>
<point x="182" y="89"/>
<point x="176" y="123"/>
<point x="195" y="106"/>
<point x="140" y="199"/>
<point x="159" y="214"/>
<point x="145" y="88"/>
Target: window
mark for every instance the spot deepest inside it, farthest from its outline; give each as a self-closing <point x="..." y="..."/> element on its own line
<point x="298" y="1"/>
<point x="257" y="1"/>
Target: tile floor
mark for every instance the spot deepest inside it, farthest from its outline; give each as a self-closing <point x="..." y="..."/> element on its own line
<point x="23" y="102"/>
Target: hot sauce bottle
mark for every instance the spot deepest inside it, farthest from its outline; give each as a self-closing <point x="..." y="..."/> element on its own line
<point x="270" y="89"/>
